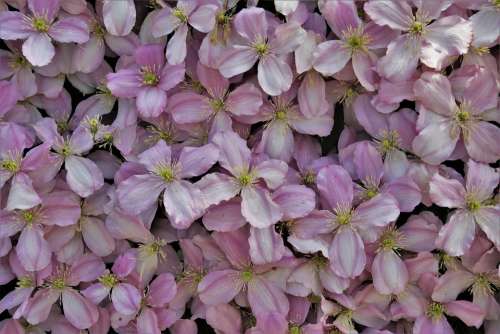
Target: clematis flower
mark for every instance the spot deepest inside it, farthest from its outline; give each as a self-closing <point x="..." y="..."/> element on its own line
<point x="40" y="27"/>
<point x="257" y="206"/>
<point x="78" y="310"/>
<point x="184" y="202"/>
<point x="15" y="67"/>
<point x="148" y="80"/>
<point x="474" y="205"/>
<point x="57" y="208"/>
<point x="349" y="224"/>
<point x="219" y="106"/>
<point x="274" y="74"/>
<point x="200" y="17"/>
<point x="356" y="42"/>
<point x="283" y="116"/>
<point x="431" y="43"/>
<point x="442" y="122"/>
<point x="221" y="286"/>
<point x="434" y="319"/>
<point x="82" y="174"/>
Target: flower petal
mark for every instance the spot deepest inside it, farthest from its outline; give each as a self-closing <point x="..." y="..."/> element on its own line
<point x="131" y="192"/>
<point x="126" y="298"/>
<point x="390" y="275"/>
<point x="219" y="287"/>
<point x="22" y="195"/>
<point x="70" y="29"/>
<point x="237" y="60"/>
<point x="32" y="249"/>
<point x="38" y="49"/>
<point x="83" y="175"/>
<point x="274" y="74"/>
<point x="330" y="57"/>
<point x="347" y="253"/>
<point x="457" y="234"/>
<point x="258" y="207"/>
<point x="119" y="16"/>
<point x="184" y="203"/>
<point x="151" y="101"/>
<point x="335" y="185"/>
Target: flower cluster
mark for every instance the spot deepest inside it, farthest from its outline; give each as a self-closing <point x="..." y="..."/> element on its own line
<point x="236" y="166"/>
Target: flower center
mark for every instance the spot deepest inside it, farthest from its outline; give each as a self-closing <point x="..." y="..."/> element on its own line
<point x="294" y="329"/>
<point x="389" y="141"/>
<point x="58" y="283"/>
<point x="245" y="179"/>
<point x="344" y="215"/>
<point x="10" y="165"/>
<point x="472" y="204"/>
<point x="40" y="24"/>
<point x="280" y="115"/>
<point x="319" y="261"/>
<point x="217" y="105"/>
<point x="153" y="248"/>
<point x="25" y="282"/>
<point x="18" y="62"/>
<point x="261" y="48"/>
<point x="246" y="276"/>
<point x="462" y="116"/>
<point x="179" y="13"/>
<point x="108" y="280"/>
<point x="370" y="192"/>
<point x="349" y="95"/>
<point x="66" y="150"/>
<point x="149" y="78"/>
<point x="389" y="241"/>
<point x="496" y="3"/>
<point x="482" y="286"/>
<point x="166" y="173"/>
<point x="309" y="178"/>
<point x="28" y="216"/>
<point x="435" y="311"/>
<point x="98" y="30"/>
<point x="417" y="28"/>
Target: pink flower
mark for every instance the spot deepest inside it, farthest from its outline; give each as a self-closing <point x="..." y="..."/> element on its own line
<point x="356" y="42"/>
<point x="432" y="43"/>
<point x="202" y="18"/>
<point x="184" y="202"/>
<point x="148" y="80"/>
<point x="347" y="252"/>
<point x="244" y="179"/>
<point x="219" y="106"/>
<point x="442" y="122"/>
<point x="474" y="206"/>
<point x="40" y="27"/>
<point x="274" y="74"/>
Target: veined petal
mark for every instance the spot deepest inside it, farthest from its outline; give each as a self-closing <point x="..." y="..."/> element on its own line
<point x="335" y="185"/>
<point x="32" y="249"/>
<point x="451" y="284"/>
<point x="245" y="100"/>
<point x="378" y="211"/>
<point x="445" y="192"/>
<point x="266" y="246"/>
<point x="79" y="311"/>
<point x="225" y="217"/>
<point x="251" y="23"/>
<point x="265" y="297"/>
<point x="347" y="253"/>
<point x="312" y="95"/>
<point x="487" y="219"/>
<point x="70" y="29"/>
<point x="390" y="275"/>
<point x="258" y="207"/>
<point x="14" y="25"/>
<point x="457" y="234"/>
<point x="330" y="57"/>
<point x="38" y="49"/>
<point x="131" y="192"/>
<point x="126" y="298"/>
<point x="481" y="142"/>
<point x="393" y="13"/>
<point x="274" y="74"/>
<point x="151" y="101"/>
<point x="22" y="195"/>
<point x="83" y="175"/>
<point x="195" y="161"/>
<point x="119" y="16"/>
<point x="341" y="16"/>
<point x="234" y="154"/>
<point x="187" y="107"/>
<point x="471" y="314"/>
<point x="176" y="48"/>
<point x="237" y="60"/>
<point x="435" y="143"/>
<point x="401" y="59"/>
<point x="218" y="187"/>
<point x="220" y="287"/>
<point x="184" y="203"/>
<point x="296" y="201"/>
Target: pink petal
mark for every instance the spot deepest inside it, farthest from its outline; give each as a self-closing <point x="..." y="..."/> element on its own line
<point x="131" y="192"/>
<point x="316" y="223"/>
<point x="295" y="201"/>
<point x="14" y="25"/>
<point x="331" y="282"/>
<point x="184" y="326"/>
<point x="457" y="234"/>
<point x="446" y="192"/>
<point x="401" y="59"/>
<point x="22" y="195"/>
<point x="184" y="203"/>
<point x="347" y="253"/>
<point x="162" y="290"/>
<point x="251" y="23"/>
<point x="219" y="287"/>
<point x="364" y="64"/>
<point x="481" y="142"/>
<point x="258" y="207"/>
<point x="378" y="211"/>
<point x="277" y="141"/>
<point x="287" y="38"/>
<point x="312" y="95"/>
<point x="330" y="57"/>
<point x="32" y="249"/>
<point x="406" y="192"/>
<point x="38" y="49"/>
<point x="451" y="284"/>
<point x="485" y="25"/>
<point x="187" y="107"/>
<point x="119" y="16"/>
<point x="81" y="141"/>
<point x="237" y="60"/>
<point x="126" y="298"/>
<point x="487" y="219"/>
<point x="224" y="318"/>
<point x="448" y="36"/>
<point x="225" y="217"/>
<point x="47" y="9"/>
<point x="78" y="310"/>
<point x="390" y="275"/>
<point x="393" y="13"/>
<point x="368" y="163"/>
<point x="274" y="74"/>
<point x="469" y="313"/>
<point x="176" y="46"/>
<point x="151" y="101"/>
<point x="195" y="161"/>
<point x="335" y="185"/>
<point x="70" y="29"/>
<point x="122" y="226"/>
<point x="434" y="91"/>
<point x="425" y="325"/>
<point x="245" y="100"/>
<point x="83" y="175"/>
<point x="265" y="297"/>
<point x="40" y="305"/>
<point x="97" y="238"/>
<point x="164" y="22"/>
<point x="266" y="246"/>
<point x="435" y="143"/>
<point x="217" y="187"/>
<point x="147" y="322"/>
<point x="341" y="16"/>
<point x="124" y="83"/>
<point x="203" y="18"/>
<point x="234" y="154"/>
<point x="272" y="171"/>
<point x="171" y="76"/>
